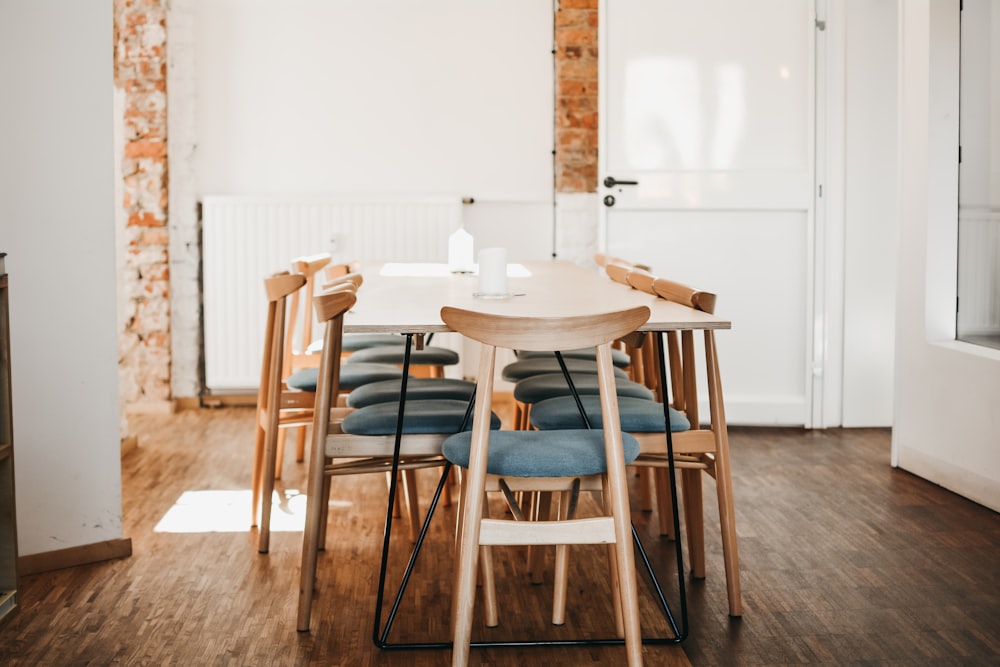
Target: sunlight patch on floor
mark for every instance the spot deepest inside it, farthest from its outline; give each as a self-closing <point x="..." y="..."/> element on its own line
<point x="228" y="511"/>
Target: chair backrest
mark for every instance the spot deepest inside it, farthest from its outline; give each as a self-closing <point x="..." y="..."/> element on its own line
<point x="334" y="271"/>
<point x="330" y="308"/>
<point x="300" y="318"/>
<point x="544" y="333"/>
<point x="618" y="272"/>
<point x="688" y="296"/>
<point x="299" y="334"/>
<point x="349" y="276"/>
<point x="603" y="259"/>
<point x="641" y="280"/>
<point x="277" y="288"/>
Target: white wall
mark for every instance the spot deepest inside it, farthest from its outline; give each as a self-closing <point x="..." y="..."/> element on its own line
<point x="870" y="215"/>
<point x="947" y="426"/>
<point x="307" y="97"/>
<point x="57" y="226"/>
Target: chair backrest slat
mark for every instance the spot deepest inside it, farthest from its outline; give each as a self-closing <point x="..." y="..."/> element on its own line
<point x="541" y="333"/>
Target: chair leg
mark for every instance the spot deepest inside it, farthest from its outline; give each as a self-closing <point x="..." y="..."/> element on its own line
<point x="397" y="508"/>
<point x="267" y="490"/>
<point x="446" y="492"/>
<point x="646" y="482"/>
<point x="536" y="554"/>
<point x="280" y="455"/>
<point x="730" y="552"/>
<point x="491" y="607"/>
<point x="664" y="506"/>
<point x="311" y="540"/>
<point x="300" y="444"/>
<point x="561" y="567"/>
<point x="466" y="566"/>
<point x="324" y="520"/>
<point x="616" y="498"/>
<point x="616" y="593"/>
<point x="257" y="475"/>
<point x="412" y="502"/>
<point x="694" y="520"/>
<point x="723" y="479"/>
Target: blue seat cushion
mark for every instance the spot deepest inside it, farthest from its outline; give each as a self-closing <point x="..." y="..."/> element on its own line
<point x="637" y="415"/>
<point x="416" y="389"/>
<point x="518" y="370"/>
<point x="549" y="385"/>
<point x="569" y="453"/>
<point x="393" y="354"/>
<point x="359" y="341"/>
<point x="619" y="358"/>
<point x="428" y="416"/>
<point x="351" y="376"/>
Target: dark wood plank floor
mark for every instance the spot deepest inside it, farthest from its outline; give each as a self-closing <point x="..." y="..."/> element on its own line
<point x="844" y="560"/>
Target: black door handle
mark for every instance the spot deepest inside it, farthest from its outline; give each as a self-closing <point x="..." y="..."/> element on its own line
<point x="611" y="182"/>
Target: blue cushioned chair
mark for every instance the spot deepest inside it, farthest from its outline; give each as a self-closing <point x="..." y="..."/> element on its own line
<point x="511" y="461"/>
<point x="416" y="389"/>
<point x="432" y="357"/>
<point x="537" y="388"/>
<point x="619" y="358"/>
<point x="522" y="368"/>
<point x="352" y="441"/>
<point x="704" y="447"/>
<point x="285" y="399"/>
<point x="638" y="415"/>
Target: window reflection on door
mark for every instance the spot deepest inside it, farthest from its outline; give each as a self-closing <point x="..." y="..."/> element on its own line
<point x="979" y="175"/>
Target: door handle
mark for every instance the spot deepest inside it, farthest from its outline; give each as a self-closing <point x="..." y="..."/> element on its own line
<point x="611" y="182"/>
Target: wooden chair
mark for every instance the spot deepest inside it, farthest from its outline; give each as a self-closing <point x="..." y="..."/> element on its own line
<point x="512" y="461"/>
<point x="286" y="400"/>
<point x="699" y="448"/>
<point x="299" y="362"/>
<point x="269" y="392"/>
<point x="347" y="441"/>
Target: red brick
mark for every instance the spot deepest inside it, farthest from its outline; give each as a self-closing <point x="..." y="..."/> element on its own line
<point x="146" y="219"/>
<point x="155" y="236"/>
<point x="146" y="149"/>
<point x="584" y="37"/>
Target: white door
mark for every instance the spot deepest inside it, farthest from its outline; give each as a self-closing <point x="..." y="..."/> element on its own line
<point x="708" y="107"/>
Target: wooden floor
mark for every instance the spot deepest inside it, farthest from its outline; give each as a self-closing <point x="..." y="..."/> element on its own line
<point x="844" y="560"/>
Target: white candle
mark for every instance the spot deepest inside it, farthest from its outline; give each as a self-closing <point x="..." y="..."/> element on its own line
<point x="493" y="271"/>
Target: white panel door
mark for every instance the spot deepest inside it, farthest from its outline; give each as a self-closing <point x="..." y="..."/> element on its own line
<point x="708" y="116"/>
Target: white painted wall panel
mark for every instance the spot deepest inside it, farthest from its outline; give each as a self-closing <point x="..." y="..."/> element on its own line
<point x="56" y="135"/>
<point x="337" y="96"/>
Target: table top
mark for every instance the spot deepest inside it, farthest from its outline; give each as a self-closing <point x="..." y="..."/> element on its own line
<point x="407" y="298"/>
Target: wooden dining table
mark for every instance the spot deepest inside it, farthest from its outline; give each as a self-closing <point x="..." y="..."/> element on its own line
<point x="407" y="298"/>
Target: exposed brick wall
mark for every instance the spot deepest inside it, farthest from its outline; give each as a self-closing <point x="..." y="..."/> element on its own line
<point x="144" y="280"/>
<point x="576" y="96"/>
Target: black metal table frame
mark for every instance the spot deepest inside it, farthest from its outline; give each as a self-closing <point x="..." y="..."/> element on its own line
<point x="380" y="634"/>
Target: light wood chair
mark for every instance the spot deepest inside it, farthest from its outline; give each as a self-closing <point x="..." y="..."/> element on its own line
<point x="528" y="461"/>
<point x="286" y="400"/>
<point x="697" y="449"/>
<point x="269" y="392"/>
<point x="348" y="441"/>
<point x="300" y="360"/>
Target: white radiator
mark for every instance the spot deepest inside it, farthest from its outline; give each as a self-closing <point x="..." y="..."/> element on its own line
<point x="245" y="239"/>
